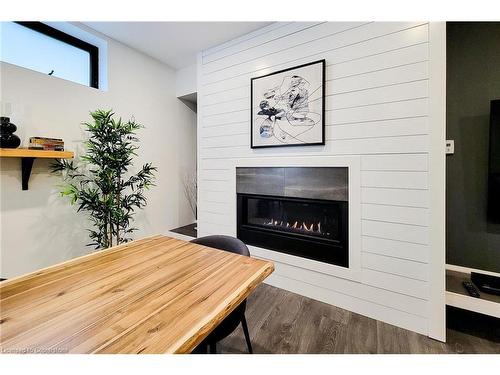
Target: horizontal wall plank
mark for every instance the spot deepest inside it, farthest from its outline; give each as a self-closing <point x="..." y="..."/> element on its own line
<point x="226" y="95"/>
<point x="417" y="162"/>
<point x="412" y="144"/>
<point x="396" y="266"/>
<point x="411" y="287"/>
<point x="211" y="196"/>
<point x="340" y="137"/>
<point x="226" y="118"/>
<point x="378" y="112"/>
<point x="206" y="228"/>
<point x="219" y="174"/>
<point x="391" y="179"/>
<point x="395" y="196"/>
<point x="350" y="145"/>
<point x="388" y="127"/>
<point x="333" y="148"/>
<point x="393" y="231"/>
<point x="397" y="249"/>
<point x="226" y="130"/>
<point x="209" y="165"/>
<point x="395" y="214"/>
<point x="362" y="146"/>
<point x="391" y="162"/>
<point x="216" y="207"/>
<point x="375" y="129"/>
<point x="213" y="186"/>
<point x="385" y="94"/>
<point x="228" y="106"/>
<point x="386" y="60"/>
<point x="214" y="218"/>
<point x="226" y="141"/>
<point x="380" y="78"/>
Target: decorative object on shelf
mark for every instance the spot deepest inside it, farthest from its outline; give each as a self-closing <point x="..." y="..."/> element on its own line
<point x="7" y="137"/>
<point x="43" y="143"/>
<point x="288" y="107"/>
<point x="101" y="184"/>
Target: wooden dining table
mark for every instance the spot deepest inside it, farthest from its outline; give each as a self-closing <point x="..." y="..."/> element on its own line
<point x="154" y="295"/>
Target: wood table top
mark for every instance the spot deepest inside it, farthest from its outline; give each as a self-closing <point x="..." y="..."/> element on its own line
<point x="154" y="295"/>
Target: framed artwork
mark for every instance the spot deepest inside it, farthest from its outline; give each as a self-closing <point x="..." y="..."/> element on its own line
<point x="288" y="107"/>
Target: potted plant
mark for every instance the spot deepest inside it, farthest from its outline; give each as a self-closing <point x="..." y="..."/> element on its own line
<point x="101" y="184"/>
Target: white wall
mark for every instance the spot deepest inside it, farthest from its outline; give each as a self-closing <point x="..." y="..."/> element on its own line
<point x="186" y="89"/>
<point x="186" y="154"/>
<point x="186" y="81"/>
<point x="377" y="109"/>
<point x="38" y="228"/>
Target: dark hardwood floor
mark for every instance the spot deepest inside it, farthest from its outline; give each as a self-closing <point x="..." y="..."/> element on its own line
<point x="284" y="322"/>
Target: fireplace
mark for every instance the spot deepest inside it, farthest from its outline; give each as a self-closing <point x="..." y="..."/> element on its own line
<point x="300" y="211"/>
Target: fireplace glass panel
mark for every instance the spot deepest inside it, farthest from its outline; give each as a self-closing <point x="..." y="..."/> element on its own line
<point x="311" y="218"/>
<point x="311" y="228"/>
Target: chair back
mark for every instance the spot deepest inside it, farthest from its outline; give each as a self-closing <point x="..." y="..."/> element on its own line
<point x="237" y="316"/>
<point x="226" y="243"/>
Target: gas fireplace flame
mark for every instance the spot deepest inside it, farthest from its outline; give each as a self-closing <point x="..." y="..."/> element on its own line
<point x="296" y="226"/>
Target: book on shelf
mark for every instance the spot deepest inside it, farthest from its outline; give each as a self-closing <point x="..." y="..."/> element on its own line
<point x="43" y="143"/>
<point x="46" y="148"/>
<point x="45" y="139"/>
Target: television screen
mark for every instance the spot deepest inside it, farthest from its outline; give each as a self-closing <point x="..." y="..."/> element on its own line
<point x="494" y="164"/>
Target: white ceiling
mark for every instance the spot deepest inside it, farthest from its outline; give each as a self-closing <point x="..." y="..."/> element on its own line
<point x="174" y="43"/>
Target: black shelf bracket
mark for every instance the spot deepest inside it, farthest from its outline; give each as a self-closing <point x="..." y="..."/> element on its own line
<point x="26" y="166"/>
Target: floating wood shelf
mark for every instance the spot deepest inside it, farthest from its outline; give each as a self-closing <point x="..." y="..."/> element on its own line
<point x="28" y="156"/>
<point x="27" y="153"/>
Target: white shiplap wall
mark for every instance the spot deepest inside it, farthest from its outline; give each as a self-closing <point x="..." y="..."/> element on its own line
<point x="377" y="108"/>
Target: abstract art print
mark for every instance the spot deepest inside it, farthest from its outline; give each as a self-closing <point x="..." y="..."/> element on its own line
<point x="288" y="107"/>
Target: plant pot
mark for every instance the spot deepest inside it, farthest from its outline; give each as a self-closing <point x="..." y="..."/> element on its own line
<point x="7" y="137"/>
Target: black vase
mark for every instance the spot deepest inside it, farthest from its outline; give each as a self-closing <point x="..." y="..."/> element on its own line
<point x="7" y="137"/>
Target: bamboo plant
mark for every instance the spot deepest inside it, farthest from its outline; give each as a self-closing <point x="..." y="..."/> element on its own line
<point x="101" y="184"/>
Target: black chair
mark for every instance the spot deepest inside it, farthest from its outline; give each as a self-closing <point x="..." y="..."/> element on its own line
<point x="228" y="325"/>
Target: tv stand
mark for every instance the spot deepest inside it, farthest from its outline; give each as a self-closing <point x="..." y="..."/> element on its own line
<point x="457" y="296"/>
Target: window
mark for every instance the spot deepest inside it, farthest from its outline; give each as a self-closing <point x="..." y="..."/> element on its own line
<point x="37" y="46"/>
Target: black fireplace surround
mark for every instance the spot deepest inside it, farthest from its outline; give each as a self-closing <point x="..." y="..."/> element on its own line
<point x="302" y="211"/>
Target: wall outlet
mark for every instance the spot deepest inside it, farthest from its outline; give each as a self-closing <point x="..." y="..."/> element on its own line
<point x="450" y="147"/>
